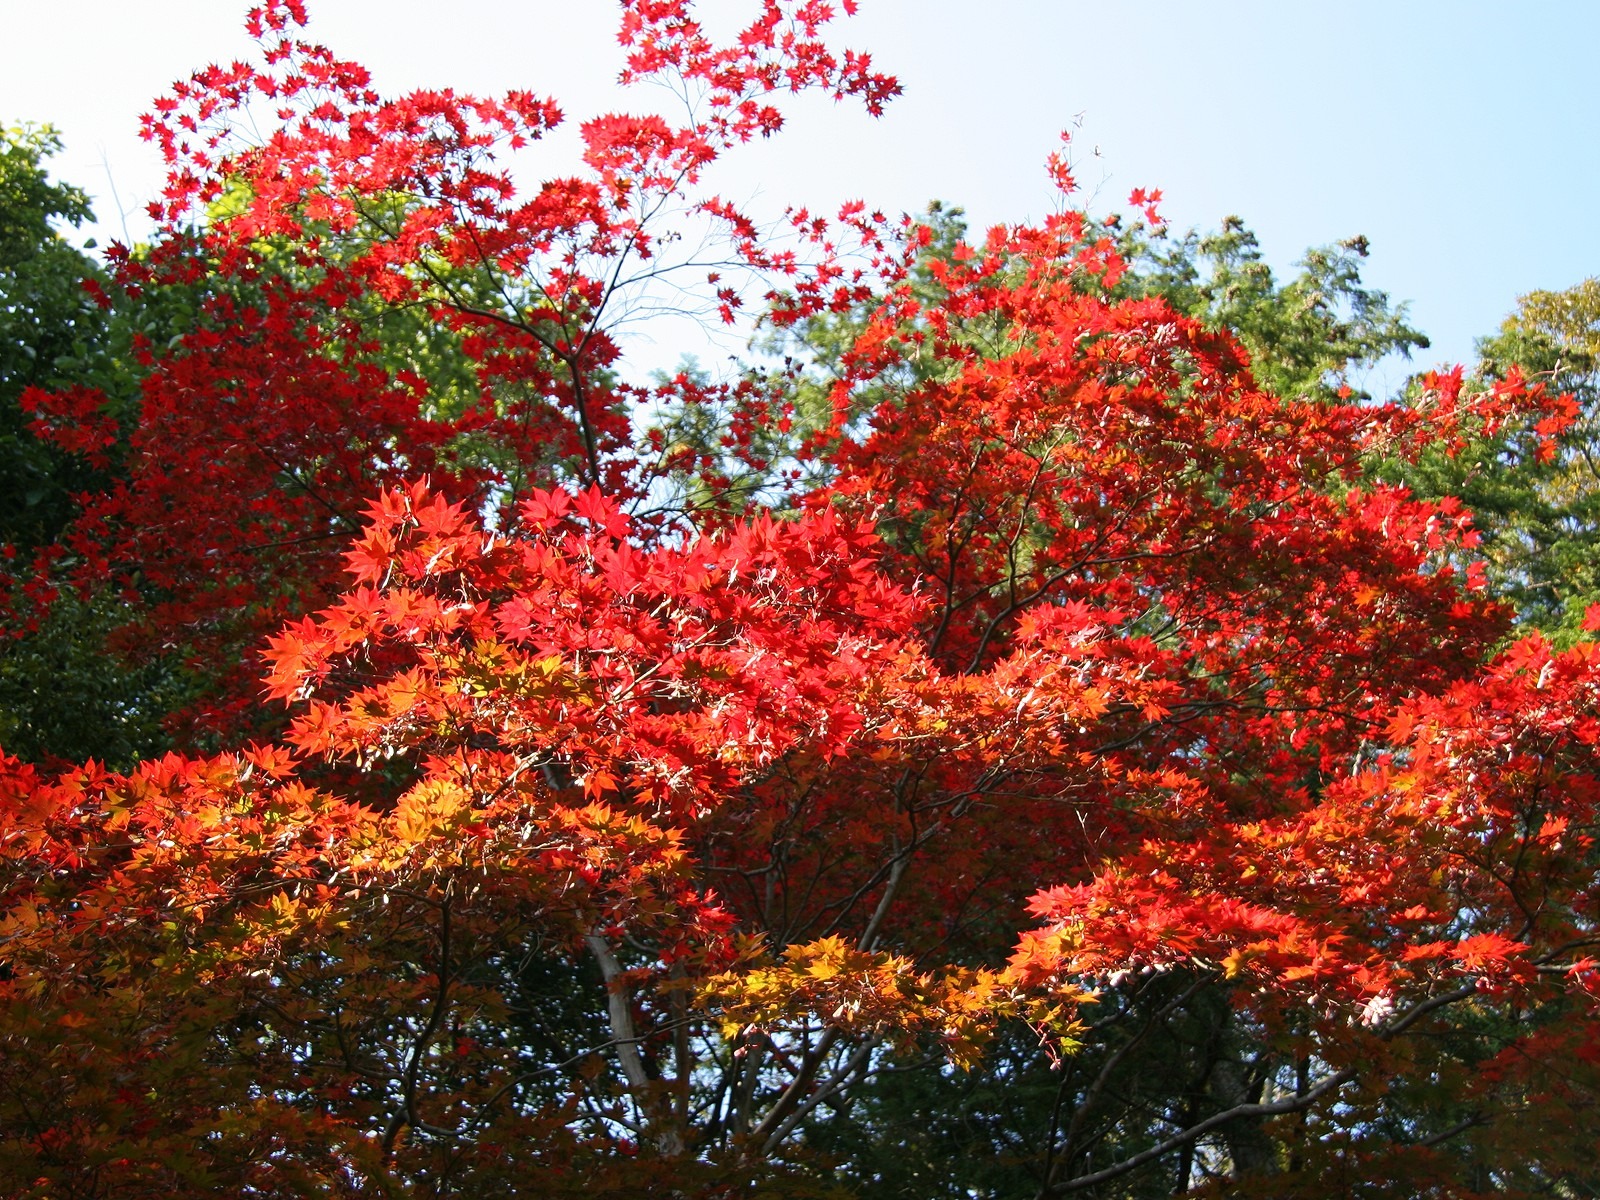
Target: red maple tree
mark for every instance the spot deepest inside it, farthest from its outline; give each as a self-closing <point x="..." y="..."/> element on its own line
<point x="643" y="799"/>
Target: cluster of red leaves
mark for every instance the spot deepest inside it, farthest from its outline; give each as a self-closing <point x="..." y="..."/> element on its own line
<point x="1463" y="847"/>
<point x="589" y="734"/>
<point x="1084" y="637"/>
<point x="1458" y="870"/>
<point x="1117" y="455"/>
<point x="373" y="299"/>
<point x="670" y="674"/>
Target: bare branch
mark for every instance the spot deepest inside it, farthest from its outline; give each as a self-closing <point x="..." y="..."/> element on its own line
<point x="1239" y="1112"/>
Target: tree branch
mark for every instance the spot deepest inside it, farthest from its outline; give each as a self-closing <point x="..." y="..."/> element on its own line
<point x="625" y="1037"/>
<point x="1288" y="1104"/>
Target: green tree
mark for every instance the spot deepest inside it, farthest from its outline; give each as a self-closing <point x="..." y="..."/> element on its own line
<point x="52" y="334"/>
<point x="64" y="691"/>
<point x="1537" y="508"/>
<point x="1307" y="336"/>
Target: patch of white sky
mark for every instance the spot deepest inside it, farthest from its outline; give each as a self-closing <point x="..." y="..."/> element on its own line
<point x="1461" y="137"/>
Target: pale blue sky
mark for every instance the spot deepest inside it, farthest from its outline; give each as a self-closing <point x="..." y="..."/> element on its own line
<point x="1462" y="138"/>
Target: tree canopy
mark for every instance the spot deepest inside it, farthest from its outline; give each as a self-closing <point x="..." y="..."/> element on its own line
<point x="1017" y="737"/>
<point x="1537" y="502"/>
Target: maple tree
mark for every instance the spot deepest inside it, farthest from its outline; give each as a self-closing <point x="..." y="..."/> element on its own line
<point x="667" y="770"/>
